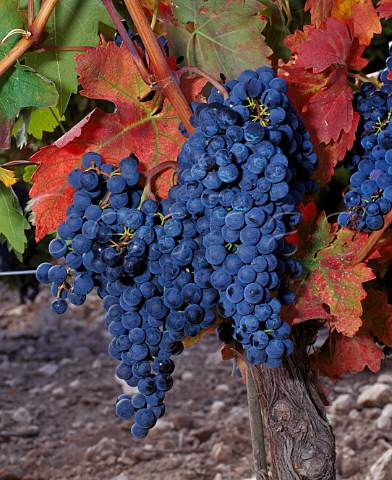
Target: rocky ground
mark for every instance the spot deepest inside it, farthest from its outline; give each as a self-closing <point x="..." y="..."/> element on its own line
<point x="57" y="395"/>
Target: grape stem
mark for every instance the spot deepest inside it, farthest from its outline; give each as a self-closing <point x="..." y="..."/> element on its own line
<point x="30" y="13"/>
<point x="221" y="89"/>
<point x="144" y="73"/>
<point x="154" y="15"/>
<point x="371" y="241"/>
<point x="151" y="174"/>
<point x="36" y="29"/>
<point x="366" y="78"/>
<point x="165" y="78"/>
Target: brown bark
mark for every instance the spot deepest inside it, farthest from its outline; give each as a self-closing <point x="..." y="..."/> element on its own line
<point x="301" y="441"/>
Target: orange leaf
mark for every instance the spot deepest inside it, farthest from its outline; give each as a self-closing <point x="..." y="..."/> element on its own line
<point x="363" y="16"/>
<point x="7" y="177"/>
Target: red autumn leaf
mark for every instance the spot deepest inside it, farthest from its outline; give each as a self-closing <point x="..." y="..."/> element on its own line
<point x="191" y="86"/>
<point x="382" y="258"/>
<point x="341" y="355"/>
<point x="320" y="11"/>
<point x="325" y="98"/>
<point x="297" y="38"/>
<point x="384" y="8"/>
<point x="302" y="85"/>
<point x="145" y="129"/>
<point x="330" y="110"/>
<point x="307" y="227"/>
<point x="377" y="315"/>
<point x="329" y="155"/>
<point x="331" y="46"/>
<point x="329" y="282"/>
<point x="361" y="14"/>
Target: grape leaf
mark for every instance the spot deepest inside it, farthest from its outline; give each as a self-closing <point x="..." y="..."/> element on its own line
<point x="277" y="30"/>
<point x="328" y="277"/>
<point x="342" y="355"/>
<point x="12" y="222"/>
<point x="73" y="23"/>
<point x="219" y="36"/>
<point x="7" y="177"/>
<point x="330" y="109"/>
<point x="362" y="14"/>
<point x="377" y="315"/>
<point x="320" y="10"/>
<point x="35" y="122"/>
<point x="384" y="8"/>
<point x="325" y="98"/>
<point x="380" y="263"/>
<point x="144" y="128"/>
<point x="329" y="155"/>
<point x="331" y="46"/>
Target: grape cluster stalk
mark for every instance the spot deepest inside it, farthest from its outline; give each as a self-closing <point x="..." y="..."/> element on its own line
<point x="214" y="251"/>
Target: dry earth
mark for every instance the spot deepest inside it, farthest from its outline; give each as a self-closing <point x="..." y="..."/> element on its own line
<point x="57" y="395"/>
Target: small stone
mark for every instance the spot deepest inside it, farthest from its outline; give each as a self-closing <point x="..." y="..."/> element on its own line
<point x="48" y="369"/>
<point x="376" y="395"/>
<point x="122" y="476"/>
<point x="164" y="425"/>
<point x="97" y="363"/>
<point x="58" y="392"/>
<point x="187" y="375"/>
<point x="223" y="387"/>
<point x="21" y="415"/>
<point x="75" y="383"/>
<point x="384" y="421"/>
<point x="381" y="470"/>
<point x="216" y="407"/>
<point x="354" y="413"/>
<point x="221" y="452"/>
<point x="102" y="450"/>
<point x="218" y="476"/>
<point x="385" y="378"/>
<point x="342" y="404"/>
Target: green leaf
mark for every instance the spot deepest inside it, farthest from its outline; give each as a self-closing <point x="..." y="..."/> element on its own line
<point x="219" y="36"/>
<point x="44" y="120"/>
<point x="73" y="23"/>
<point x="10" y="18"/>
<point x="29" y="170"/>
<point x="22" y="87"/>
<point x="277" y="30"/>
<point x="12" y="222"/>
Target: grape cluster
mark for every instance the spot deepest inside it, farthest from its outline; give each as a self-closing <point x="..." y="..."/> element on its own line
<point x="215" y="246"/>
<point x="140" y="262"/>
<point x="371" y="196"/>
<point x="242" y="173"/>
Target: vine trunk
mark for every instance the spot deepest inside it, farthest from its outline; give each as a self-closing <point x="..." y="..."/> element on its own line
<point x="300" y="439"/>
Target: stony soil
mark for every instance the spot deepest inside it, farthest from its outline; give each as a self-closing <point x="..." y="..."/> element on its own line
<point x="57" y="395"/>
